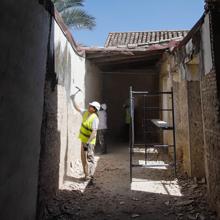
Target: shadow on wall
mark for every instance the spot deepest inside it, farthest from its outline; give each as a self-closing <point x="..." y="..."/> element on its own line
<point x="50" y="136"/>
<point x="63" y="65"/>
<point x="59" y="121"/>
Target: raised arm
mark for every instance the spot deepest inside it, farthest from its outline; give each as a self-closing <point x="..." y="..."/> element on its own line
<point x="75" y="104"/>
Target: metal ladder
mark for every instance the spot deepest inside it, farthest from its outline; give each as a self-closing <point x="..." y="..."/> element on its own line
<point x="159" y="124"/>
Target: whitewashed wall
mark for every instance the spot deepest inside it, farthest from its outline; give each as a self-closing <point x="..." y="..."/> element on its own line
<point x="70" y="70"/>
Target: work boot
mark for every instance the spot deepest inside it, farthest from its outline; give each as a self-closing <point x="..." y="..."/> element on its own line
<point x="91" y="182"/>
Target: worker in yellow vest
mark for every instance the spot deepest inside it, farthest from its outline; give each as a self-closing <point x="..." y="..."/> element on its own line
<point x="87" y="135"/>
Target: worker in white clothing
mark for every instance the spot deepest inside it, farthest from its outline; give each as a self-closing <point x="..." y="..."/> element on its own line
<point x="102" y="128"/>
<point x="127" y="120"/>
<point x="87" y="135"/>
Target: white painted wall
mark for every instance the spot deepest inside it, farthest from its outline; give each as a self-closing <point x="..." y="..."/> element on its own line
<point x="70" y="70"/>
<point x="93" y="83"/>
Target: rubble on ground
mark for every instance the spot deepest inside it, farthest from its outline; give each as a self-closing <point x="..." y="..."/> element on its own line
<point x="112" y="198"/>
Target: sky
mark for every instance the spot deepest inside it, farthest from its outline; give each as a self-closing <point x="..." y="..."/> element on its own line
<point x="137" y="15"/>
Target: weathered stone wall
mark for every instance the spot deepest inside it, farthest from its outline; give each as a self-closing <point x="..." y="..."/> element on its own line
<point x="212" y="137"/>
<point x="180" y="90"/>
<point x="210" y="103"/>
<point x="196" y="96"/>
<point x="189" y="127"/>
<point x="184" y="69"/>
<point x="61" y="145"/>
<point x="61" y="148"/>
<point x="196" y="130"/>
<point x="166" y="85"/>
<point x="24" y="37"/>
<point x="70" y="71"/>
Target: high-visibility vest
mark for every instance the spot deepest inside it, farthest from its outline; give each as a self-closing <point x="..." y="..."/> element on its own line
<point x="86" y="127"/>
<point x="127" y="115"/>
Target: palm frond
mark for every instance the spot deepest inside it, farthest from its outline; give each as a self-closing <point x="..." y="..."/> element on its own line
<point x="62" y="5"/>
<point x="78" y="18"/>
<point x="73" y="15"/>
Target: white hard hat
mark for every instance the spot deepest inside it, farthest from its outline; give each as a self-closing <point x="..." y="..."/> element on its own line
<point x="104" y="106"/>
<point x="95" y="104"/>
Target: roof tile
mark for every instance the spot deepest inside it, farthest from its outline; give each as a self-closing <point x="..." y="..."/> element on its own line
<point x="143" y="39"/>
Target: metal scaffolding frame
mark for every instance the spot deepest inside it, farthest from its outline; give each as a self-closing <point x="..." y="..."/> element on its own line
<point x="160" y="127"/>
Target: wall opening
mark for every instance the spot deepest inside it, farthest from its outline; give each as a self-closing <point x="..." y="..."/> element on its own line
<point x="116" y="95"/>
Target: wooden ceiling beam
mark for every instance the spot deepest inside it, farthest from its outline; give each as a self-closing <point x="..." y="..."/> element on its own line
<point x="110" y="61"/>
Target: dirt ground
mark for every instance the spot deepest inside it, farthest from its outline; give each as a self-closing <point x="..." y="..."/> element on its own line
<point x="154" y="194"/>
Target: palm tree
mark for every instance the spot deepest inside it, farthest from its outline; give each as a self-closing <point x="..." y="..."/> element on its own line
<point x="73" y="15"/>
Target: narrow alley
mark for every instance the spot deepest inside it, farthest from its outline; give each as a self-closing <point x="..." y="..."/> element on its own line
<point x="154" y="193"/>
<point x="161" y="92"/>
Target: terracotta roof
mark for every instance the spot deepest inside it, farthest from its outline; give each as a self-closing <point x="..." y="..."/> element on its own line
<point x="143" y="39"/>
